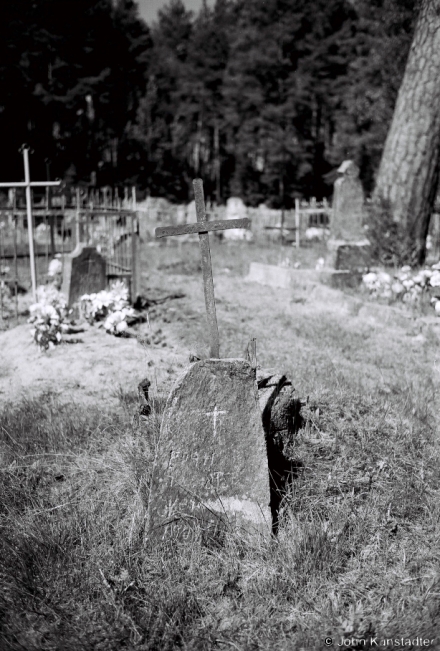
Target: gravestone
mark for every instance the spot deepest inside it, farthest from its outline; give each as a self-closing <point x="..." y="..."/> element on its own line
<point x="84" y="272"/>
<point x="181" y="215"/>
<point x="187" y="213"/>
<point x="191" y="214"/>
<point x="211" y="462"/>
<point x="235" y="209"/>
<point x="348" y="248"/>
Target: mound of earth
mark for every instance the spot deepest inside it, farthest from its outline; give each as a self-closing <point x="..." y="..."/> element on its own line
<point x="96" y="369"/>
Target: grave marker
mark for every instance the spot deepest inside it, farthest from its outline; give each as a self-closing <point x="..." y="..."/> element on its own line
<point x="235" y="209"/>
<point x="348" y="204"/>
<point x="211" y="462"/>
<point x="203" y="227"/>
<point x="348" y="247"/>
<point x="84" y="272"/>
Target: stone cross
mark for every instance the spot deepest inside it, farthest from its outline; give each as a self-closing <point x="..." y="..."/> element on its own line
<point x="28" y="185"/>
<point x="202" y="227"/>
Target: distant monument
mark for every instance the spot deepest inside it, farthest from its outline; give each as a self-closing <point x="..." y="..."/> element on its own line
<point x="348" y="248"/>
<point x="235" y="209"/>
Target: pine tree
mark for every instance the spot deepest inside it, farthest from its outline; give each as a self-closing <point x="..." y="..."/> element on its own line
<point x="72" y="94"/>
<point x="409" y="170"/>
<point x="382" y="37"/>
<point x="286" y="65"/>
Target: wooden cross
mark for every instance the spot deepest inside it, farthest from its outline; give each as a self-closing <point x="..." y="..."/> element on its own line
<point x="28" y="185"/>
<point x="202" y="227"/>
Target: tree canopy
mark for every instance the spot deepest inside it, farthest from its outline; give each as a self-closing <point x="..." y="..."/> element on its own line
<point x="261" y="98"/>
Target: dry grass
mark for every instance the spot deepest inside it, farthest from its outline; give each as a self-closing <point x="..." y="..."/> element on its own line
<point x="357" y="553"/>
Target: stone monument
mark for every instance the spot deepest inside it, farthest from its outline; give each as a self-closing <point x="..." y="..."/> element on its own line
<point x="211" y="463"/>
<point x="84" y="272"/>
<point x="235" y="209"/>
<point x="348" y="248"/>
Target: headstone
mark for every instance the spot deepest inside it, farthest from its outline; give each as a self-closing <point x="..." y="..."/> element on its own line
<point x="212" y="462"/>
<point x="153" y="212"/>
<point x="191" y="215"/>
<point x="181" y="215"/>
<point x="267" y="274"/>
<point x="84" y="272"/>
<point x="348" y="247"/>
<point x="235" y="209"/>
<point x="188" y="214"/>
<point x="41" y="234"/>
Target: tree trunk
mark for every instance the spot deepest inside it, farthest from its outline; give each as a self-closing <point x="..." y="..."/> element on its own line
<point x="409" y="170"/>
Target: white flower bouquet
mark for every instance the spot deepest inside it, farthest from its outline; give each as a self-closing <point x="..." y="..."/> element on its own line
<point x="406" y="285"/>
<point x="48" y="317"/>
<point x="110" y="306"/>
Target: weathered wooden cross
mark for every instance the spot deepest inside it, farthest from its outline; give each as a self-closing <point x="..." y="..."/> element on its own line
<point x="202" y="227"/>
<point x="28" y="185"/>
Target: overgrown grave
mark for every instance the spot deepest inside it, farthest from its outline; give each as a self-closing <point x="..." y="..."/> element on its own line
<point x="219" y="460"/>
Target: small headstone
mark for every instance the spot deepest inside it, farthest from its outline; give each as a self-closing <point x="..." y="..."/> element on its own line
<point x="212" y="461"/>
<point x="272" y="275"/>
<point x="83" y="273"/>
<point x="235" y="209"/>
<point x="191" y="215"/>
<point x="181" y="217"/>
<point x="348" y="247"/>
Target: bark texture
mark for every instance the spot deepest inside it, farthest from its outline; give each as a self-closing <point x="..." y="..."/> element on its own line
<point x="408" y="174"/>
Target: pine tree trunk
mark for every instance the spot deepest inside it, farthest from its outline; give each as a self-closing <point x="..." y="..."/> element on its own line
<point x="409" y="170"/>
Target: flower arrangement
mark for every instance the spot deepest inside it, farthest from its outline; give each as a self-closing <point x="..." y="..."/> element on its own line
<point x="406" y="285"/>
<point x="48" y="317"/>
<point x="110" y="306"/>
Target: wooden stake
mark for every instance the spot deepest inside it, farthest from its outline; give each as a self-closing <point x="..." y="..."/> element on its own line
<point x="208" y="283"/>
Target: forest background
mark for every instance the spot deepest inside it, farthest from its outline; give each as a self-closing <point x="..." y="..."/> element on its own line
<point x="261" y="98"/>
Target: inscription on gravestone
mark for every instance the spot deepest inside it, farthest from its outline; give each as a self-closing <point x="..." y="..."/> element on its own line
<point x="84" y="273"/>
